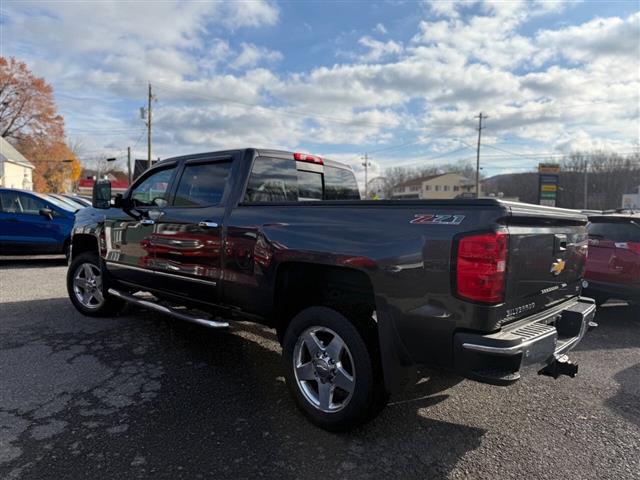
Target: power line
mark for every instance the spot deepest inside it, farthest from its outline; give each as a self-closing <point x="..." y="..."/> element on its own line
<point x="437" y="157"/>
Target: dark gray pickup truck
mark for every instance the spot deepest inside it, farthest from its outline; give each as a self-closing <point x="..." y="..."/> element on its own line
<point x="360" y="293"/>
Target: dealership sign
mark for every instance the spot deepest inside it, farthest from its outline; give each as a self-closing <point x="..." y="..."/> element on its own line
<point x="549" y="178"/>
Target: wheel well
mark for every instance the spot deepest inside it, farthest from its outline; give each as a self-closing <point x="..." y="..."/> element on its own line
<point x="302" y="285"/>
<point x="84" y="243"/>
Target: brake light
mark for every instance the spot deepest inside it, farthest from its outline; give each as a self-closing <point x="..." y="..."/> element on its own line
<point x="481" y="267"/>
<point x="633" y="246"/>
<point x="305" y="157"/>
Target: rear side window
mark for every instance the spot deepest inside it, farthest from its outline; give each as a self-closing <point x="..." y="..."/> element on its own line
<point x="615" y="231"/>
<point x="9" y="202"/>
<point x="272" y="180"/>
<point x="340" y="184"/>
<point x="202" y="184"/>
<point x="309" y="185"/>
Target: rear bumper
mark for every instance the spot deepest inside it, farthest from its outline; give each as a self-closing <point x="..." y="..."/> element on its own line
<point x="611" y="290"/>
<point x="526" y="346"/>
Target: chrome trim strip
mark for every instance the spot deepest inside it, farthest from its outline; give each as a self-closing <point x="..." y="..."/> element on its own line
<point x="168" y="311"/>
<point x="156" y="272"/>
<point x="130" y="267"/>
<point x="190" y="279"/>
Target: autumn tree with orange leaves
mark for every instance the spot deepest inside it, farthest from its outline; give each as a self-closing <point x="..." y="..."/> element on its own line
<point x="29" y="120"/>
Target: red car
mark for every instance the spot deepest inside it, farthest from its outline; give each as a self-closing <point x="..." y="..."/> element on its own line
<point x="613" y="263"/>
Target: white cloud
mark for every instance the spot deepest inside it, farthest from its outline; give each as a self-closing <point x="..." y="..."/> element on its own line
<point x="250" y="14"/>
<point x="380" y="28"/>
<point x="251" y="55"/>
<point x="601" y="38"/>
<point x="379" y="50"/>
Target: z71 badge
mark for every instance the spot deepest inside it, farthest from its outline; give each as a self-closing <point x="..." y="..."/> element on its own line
<point x="436" y="219"/>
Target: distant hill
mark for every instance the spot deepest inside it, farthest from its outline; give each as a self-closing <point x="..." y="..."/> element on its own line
<point x="605" y="187"/>
<point x="521" y="185"/>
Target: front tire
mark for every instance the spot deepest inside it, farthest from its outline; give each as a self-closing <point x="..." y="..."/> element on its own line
<point x="86" y="287"/>
<point x="330" y="370"/>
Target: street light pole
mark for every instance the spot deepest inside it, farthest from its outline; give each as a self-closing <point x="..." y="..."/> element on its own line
<point x="366" y="175"/>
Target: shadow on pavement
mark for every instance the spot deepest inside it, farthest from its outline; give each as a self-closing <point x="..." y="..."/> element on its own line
<point x="9" y="263"/>
<point x="143" y="395"/>
<point x="625" y="401"/>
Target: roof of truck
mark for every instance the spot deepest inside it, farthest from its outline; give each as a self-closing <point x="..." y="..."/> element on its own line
<point x="259" y="151"/>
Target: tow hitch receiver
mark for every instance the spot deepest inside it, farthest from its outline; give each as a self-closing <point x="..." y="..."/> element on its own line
<point x="560" y="366"/>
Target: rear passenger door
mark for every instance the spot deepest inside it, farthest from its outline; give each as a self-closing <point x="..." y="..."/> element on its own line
<point x="187" y="238"/>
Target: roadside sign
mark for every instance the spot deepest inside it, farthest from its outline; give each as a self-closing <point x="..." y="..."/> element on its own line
<point x="549" y="178"/>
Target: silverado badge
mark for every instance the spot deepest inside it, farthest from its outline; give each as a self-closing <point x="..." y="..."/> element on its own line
<point x="558" y="266"/>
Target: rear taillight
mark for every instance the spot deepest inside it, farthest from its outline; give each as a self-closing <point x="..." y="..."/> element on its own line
<point x="633" y="246"/>
<point x="481" y="267"/>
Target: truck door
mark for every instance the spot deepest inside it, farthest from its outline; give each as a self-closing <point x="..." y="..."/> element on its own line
<point x="187" y="237"/>
<point x="129" y="250"/>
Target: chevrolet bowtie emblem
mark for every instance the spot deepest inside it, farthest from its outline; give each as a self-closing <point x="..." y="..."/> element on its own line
<point x="558" y="266"/>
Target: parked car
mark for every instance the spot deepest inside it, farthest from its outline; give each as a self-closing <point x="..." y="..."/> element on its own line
<point x="359" y="292"/>
<point x="85" y="202"/>
<point x="74" y="205"/>
<point x="34" y="223"/>
<point x="613" y="265"/>
<point x="68" y="200"/>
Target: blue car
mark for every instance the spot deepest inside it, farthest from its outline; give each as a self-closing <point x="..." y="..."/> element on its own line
<point x="33" y="223"/>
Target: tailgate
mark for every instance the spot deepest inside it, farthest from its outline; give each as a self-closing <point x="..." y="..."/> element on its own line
<point x="546" y="259"/>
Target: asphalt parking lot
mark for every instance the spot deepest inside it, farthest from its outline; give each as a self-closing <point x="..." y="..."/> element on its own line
<point x="142" y="395"/>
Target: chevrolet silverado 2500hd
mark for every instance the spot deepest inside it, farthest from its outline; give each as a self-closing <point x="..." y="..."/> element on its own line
<point x="359" y="292"/>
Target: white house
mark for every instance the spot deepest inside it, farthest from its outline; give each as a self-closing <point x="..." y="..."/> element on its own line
<point x="15" y="170"/>
<point x="442" y="186"/>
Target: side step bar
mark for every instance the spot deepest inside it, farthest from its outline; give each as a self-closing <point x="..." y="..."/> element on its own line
<point x="166" y="310"/>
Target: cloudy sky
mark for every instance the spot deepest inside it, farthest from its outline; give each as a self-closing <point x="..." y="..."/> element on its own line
<point x="400" y="80"/>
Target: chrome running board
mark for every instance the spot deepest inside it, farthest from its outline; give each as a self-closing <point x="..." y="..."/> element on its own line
<point x="167" y="310"/>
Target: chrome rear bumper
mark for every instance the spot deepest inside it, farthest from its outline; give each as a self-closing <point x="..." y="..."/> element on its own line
<point x="502" y="357"/>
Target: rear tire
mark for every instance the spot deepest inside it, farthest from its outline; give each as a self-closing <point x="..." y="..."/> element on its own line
<point x="324" y="352"/>
<point x="87" y="289"/>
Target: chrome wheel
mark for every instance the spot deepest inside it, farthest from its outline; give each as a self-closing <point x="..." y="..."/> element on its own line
<point x="324" y="369"/>
<point x="87" y="286"/>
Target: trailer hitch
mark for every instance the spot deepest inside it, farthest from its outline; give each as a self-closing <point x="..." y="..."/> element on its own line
<point x="560" y="366"/>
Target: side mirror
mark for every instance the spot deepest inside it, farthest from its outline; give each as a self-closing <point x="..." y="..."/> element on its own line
<point x="101" y="196"/>
<point x="46" y="212"/>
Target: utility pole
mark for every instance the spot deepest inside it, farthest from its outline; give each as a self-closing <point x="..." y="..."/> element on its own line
<point x="149" y="127"/>
<point x="366" y="175"/>
<point x="586" y="184"/>
<point x="480" y="127"/>
<point x="129" y="164"/>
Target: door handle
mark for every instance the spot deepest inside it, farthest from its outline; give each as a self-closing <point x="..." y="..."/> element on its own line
<point x="206" y="224"/>
<point x="147" y="221"/>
